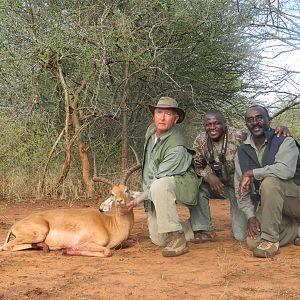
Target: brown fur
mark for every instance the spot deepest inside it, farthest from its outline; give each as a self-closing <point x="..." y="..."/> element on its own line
<point x="78" y="231"/>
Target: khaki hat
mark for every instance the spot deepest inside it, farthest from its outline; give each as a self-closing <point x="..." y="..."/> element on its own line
<point x="167" y="102"/>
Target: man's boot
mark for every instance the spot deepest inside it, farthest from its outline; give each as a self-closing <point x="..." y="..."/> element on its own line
<point x="266" y="249"/>
<point x="176" y="245"/>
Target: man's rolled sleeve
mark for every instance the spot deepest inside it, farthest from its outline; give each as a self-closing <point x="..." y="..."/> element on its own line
<point x="259" y="173"/>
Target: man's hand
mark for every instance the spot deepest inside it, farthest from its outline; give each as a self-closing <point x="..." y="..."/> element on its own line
<point x="216" y="184"/>
<point x="134" y="203"/>
<point x="282" y="130"/>
<point x="253" y="229"/>
<point x="245" y="183"/>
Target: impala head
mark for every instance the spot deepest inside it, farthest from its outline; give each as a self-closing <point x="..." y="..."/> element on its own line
<point x="106" y="205"/>
<point x="120" y="195"/>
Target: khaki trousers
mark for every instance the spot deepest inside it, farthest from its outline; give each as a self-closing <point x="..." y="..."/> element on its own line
<point x="279" y="211"/>
<point x="164" y="217"/>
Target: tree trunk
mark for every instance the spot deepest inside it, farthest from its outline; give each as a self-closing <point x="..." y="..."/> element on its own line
<point x="83" y="154"/>
<point x="124" y="111"/>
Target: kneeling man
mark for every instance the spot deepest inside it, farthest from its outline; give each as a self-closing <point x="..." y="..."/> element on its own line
<point x="267" y="176"/>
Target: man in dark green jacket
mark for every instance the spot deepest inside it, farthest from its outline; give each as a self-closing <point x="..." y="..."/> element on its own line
<point x="168" y="177"/>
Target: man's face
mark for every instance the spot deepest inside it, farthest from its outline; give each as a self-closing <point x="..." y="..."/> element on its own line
<point x="214" y="126"/>
<point x="257" y="121"/>
<point x="164" y="119"/>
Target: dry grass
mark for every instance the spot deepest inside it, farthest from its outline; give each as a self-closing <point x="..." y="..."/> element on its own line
<point x="229" y="269"/>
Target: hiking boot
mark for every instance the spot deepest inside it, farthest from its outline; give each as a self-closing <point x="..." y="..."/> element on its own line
<point x="266" y="249"/>
<point x="202" y="236"/>
<point x="176" y="245"/>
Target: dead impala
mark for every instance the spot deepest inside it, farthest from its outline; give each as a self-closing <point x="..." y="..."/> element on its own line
<point x="85" y="232"/>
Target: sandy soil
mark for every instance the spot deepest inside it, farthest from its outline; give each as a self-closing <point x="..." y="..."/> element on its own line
<point x="221" y="270"/>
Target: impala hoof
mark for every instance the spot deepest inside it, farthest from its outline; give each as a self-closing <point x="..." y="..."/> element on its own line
<point x="107" y="253"/>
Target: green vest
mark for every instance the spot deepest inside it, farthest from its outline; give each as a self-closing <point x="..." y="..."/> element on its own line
<point x="187" y="184"/>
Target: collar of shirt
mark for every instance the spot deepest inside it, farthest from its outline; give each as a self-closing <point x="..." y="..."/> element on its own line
<point x="250" y="142"/>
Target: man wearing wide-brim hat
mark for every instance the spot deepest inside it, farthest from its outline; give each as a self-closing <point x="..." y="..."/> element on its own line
<point x="168" y="177"/>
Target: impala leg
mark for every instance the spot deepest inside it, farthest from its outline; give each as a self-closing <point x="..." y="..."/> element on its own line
<point x="9" y="234"/>
<point x="16" y="245"/>
<point x="26" y="238"/>
<point x="21" y="247"/>
<point x="88" y="250"/>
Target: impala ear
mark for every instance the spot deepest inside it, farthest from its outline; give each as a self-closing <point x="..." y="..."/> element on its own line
<point x="106" y="205"/>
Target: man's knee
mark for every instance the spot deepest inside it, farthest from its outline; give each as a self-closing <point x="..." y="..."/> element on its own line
<point x="156" y="184"/>
<point x="269" y="184"/>
<point x="162" y="183"/>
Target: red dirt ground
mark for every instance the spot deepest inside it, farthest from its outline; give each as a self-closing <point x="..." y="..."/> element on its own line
<point x="221" y="270"/>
